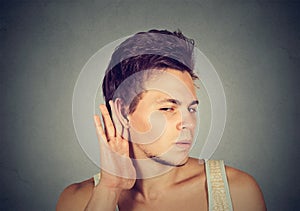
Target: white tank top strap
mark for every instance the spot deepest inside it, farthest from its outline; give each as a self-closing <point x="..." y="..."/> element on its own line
<point x="97" y="179"/>
<point x="218" y="189"/>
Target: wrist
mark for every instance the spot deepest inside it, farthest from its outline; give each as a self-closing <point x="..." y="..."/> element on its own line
<point x="108" y="188"/>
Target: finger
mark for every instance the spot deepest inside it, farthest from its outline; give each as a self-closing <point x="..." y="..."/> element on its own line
<point x="116" y="121"/>
<point x="99" y="129"/>
<point x="108" y="124"/>
<point x="105" y="150"/>
<point x="125" y="134"/>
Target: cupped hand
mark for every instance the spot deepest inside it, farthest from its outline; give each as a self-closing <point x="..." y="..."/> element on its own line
<point x="117" y="170"/>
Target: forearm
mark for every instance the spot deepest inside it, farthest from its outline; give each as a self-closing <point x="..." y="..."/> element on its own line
<point x="103" y="199"/>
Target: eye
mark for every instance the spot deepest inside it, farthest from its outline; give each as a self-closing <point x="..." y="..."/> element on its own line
<point x="167" y="109"/>
<point x="192" y="110"/>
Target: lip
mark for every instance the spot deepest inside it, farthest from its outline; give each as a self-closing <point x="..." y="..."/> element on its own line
<point x="184" y="144"/>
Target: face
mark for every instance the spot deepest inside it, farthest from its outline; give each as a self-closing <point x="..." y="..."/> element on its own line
<point x="163" y="124"/>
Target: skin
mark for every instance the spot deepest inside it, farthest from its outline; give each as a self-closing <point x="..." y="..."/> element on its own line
<point x="182" y="186"/>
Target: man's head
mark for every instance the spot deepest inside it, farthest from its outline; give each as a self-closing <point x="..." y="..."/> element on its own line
<point x="147" y="52"/>
<point x="151" y="76"/>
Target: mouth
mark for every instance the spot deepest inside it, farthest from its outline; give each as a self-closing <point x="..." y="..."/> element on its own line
<point x="184" y="144"/>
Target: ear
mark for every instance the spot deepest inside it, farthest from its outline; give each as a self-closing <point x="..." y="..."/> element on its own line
<point x="121" y="112"/>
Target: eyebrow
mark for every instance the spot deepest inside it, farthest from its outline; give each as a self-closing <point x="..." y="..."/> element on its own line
<point x="195" y="102"/>
<point x="177" y="102"/>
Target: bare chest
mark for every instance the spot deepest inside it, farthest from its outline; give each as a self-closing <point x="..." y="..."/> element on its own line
<point x="174" y="200"/>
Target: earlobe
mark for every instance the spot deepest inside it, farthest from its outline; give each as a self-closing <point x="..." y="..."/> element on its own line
<point x="121" y="112"/>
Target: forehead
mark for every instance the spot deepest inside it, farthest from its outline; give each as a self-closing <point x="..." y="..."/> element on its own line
<point x="171" y="83"/>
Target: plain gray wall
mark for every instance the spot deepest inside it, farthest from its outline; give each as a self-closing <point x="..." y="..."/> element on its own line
<point x="254" y="46"/>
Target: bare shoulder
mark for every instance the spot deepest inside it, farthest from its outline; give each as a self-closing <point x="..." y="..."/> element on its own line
<point x="75" y="196"/>
<point x="245" y="193"/>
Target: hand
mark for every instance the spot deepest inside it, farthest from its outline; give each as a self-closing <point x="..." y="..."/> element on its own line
<point x="117" y="170"/>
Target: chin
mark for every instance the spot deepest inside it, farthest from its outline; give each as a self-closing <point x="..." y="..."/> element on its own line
<point x="169" y="162"/>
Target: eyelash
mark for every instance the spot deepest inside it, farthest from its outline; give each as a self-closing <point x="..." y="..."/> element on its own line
<point x="191" y="110"/>
<point x="167" y="109"/>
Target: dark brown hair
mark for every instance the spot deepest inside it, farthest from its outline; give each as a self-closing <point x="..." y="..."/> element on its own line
<point x="155" y="49"/>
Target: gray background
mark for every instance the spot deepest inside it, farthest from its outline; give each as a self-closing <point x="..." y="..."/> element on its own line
<point x="254" y="46"/>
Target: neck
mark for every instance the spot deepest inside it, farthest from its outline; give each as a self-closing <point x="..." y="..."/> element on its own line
<point x="154" y="178"/>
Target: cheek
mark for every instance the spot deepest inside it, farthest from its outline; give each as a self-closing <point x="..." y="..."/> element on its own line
<point x="145" y="121"/>
<point x="139" y="123"/>
<point x="147" y="129"/>
<point x="170" y="132"/>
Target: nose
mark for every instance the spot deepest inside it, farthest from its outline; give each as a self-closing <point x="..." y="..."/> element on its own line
<point x="187" y="121"/>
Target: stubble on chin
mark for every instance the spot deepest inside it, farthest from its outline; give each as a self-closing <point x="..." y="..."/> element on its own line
<point x="165" y="162"/>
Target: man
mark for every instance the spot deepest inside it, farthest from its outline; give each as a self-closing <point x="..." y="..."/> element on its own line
<point x="148" y="129"/>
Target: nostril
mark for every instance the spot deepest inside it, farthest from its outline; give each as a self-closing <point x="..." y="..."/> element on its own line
<point x="185" y="125"/>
